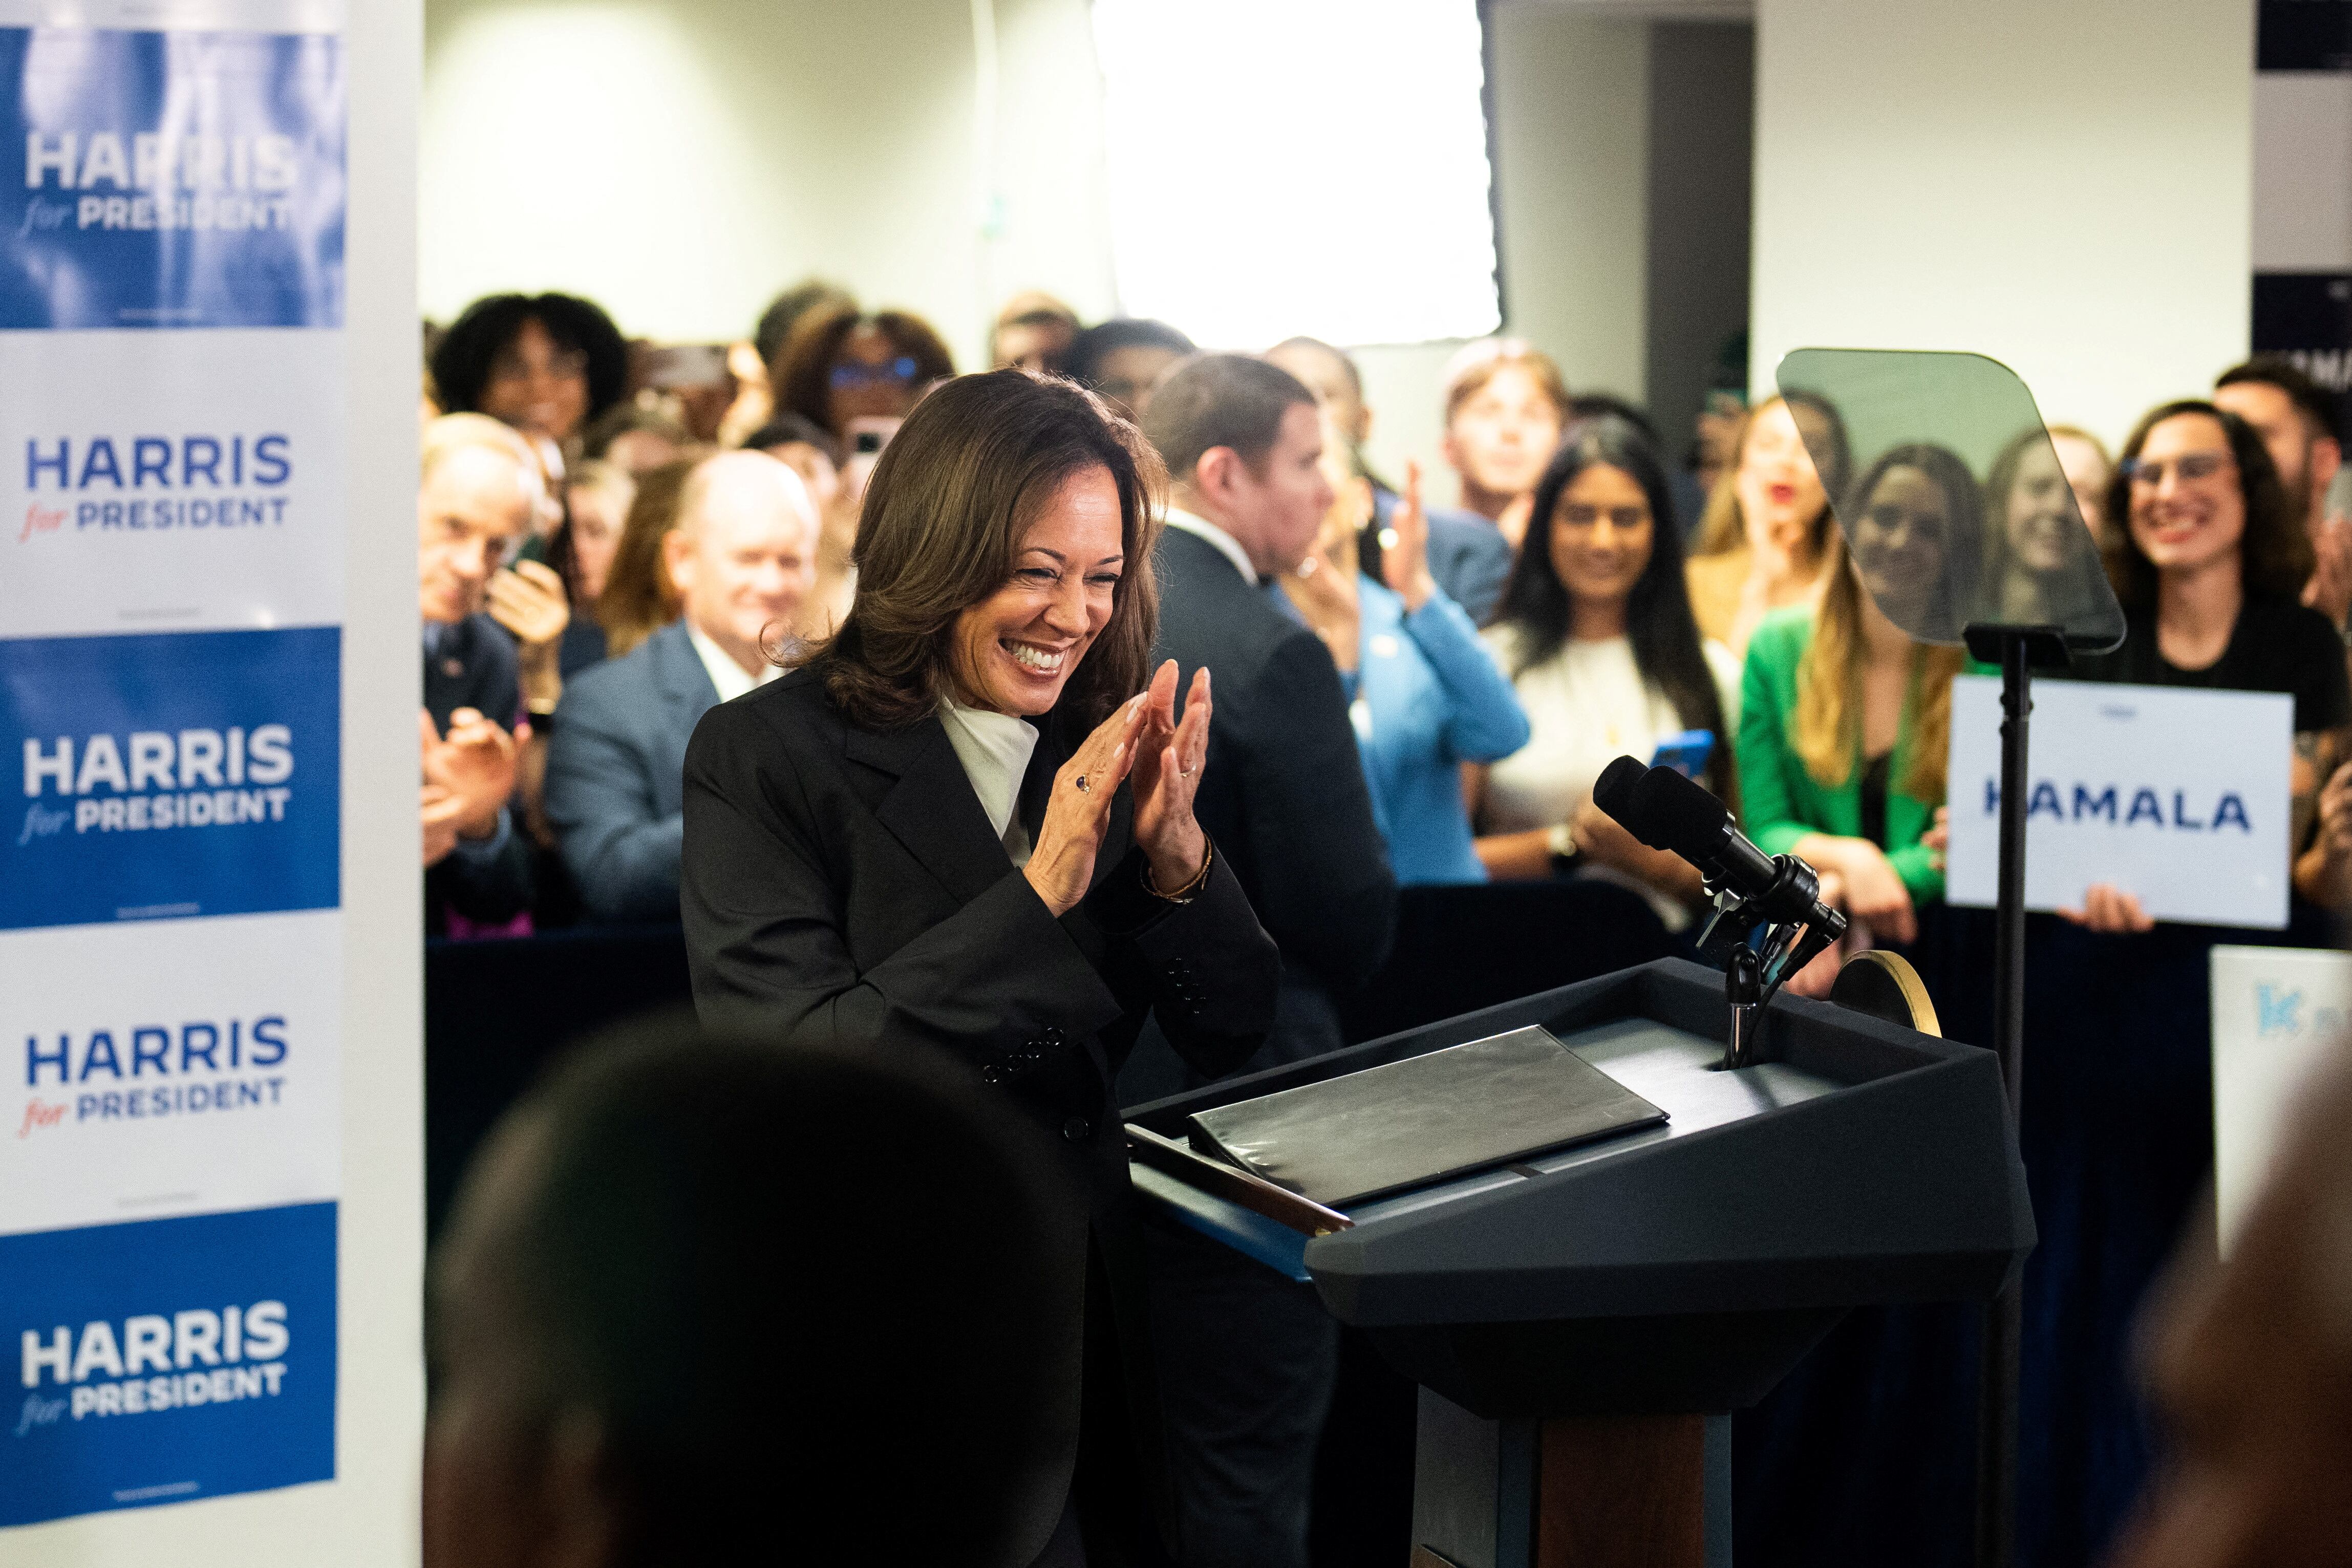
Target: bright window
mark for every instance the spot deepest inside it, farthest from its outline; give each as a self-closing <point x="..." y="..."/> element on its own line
<point x="1299" y="166"/>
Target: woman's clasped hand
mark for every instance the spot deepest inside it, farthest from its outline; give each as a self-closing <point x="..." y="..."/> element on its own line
<point x="1142" y="743"/>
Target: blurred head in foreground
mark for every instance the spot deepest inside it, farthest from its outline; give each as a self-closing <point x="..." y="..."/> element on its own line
<point x="2252" y="1364"/>
<point x="703" y="1301"/>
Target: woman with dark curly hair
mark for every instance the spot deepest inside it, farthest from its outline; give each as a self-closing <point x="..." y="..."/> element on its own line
<point x="545" y="364"/>
<point x="965" y="821"/>
<point x="2210" y="563"/>
<point x="840" y="365"/>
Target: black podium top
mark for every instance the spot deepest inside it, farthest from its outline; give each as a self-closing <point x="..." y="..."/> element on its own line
<point x="1856" y="1162"/>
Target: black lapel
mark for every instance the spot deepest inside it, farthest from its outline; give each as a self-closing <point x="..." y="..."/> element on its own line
<point x="932" y="810"/>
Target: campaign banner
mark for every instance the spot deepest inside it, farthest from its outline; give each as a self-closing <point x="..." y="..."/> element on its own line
<point x="172" y="375"/>
<point x="204" y="1073"/>
<point x="170" y="1359"/>
<point x="2196" y="833"/>
<point x="2277" y="1013"/>
<point x="171" y="179"/>
<point x="167" y="482"/>
<point x="165" y="777"/>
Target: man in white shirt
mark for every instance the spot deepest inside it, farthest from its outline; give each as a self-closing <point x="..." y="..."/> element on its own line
<point x="743" y="555"/>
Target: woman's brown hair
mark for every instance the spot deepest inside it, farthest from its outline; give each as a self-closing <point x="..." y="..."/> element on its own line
<point x="800" y="378"/>
<point x="1826" y="730"/>
<point x="950" y="500"/>
<point x="639" y="599"/>
<point x="2274" y="553"/>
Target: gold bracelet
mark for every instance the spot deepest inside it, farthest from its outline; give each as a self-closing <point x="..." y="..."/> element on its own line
<point x="1191" y="890"/>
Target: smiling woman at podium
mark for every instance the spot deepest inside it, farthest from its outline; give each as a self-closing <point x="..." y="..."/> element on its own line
<point x="965" y="823"/>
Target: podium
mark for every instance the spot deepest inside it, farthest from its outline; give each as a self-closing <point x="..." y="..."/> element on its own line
<point x="1582" y="1323"/>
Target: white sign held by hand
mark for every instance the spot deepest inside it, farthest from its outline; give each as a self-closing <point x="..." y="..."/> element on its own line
<point x="2179" y="796"/>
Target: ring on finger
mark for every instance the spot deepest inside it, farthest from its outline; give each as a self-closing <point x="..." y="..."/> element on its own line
<point x="1081" y="782"/>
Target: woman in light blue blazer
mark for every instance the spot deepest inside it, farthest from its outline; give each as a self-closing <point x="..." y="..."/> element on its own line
<point x="1423" y="695"/>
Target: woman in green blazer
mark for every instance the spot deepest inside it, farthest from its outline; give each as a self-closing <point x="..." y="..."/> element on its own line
<point x="1844" y="730"/>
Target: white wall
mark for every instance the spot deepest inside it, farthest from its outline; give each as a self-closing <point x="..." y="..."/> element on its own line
<point x="682" y="161"/>
<point x="1571" y="96"/>
<point x="1573" y="135"/>
<point x="2064" y="184"/>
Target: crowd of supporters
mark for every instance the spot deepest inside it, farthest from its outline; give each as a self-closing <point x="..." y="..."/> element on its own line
<point x="617" y="535"/>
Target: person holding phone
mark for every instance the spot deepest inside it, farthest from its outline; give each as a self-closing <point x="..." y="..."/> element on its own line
<point x="1596" y="633"/>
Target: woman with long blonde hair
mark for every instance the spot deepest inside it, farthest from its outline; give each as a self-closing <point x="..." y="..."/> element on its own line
<point x="1762" y="539"/>
<point x="1846" y="720"/>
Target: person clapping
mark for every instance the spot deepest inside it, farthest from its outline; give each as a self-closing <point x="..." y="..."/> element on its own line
<point x="965" y="821"/>
<point x="479" y="491"/>
<point x="1426" y="700"/>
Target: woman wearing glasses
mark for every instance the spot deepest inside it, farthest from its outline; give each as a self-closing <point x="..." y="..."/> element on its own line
<point x="840" y="366"/>
<point x="2208" y="566"/>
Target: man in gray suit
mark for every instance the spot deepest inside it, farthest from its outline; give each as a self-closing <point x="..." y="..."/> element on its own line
<point x="743" y="555"/>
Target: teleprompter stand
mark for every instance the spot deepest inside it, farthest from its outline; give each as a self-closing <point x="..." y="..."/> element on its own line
<point x="1582" y="1323"/>
<point x="2019" y="651"/>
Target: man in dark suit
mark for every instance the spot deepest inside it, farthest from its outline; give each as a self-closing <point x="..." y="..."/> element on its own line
<point x="743" y="555"/>
<point x="1247" y="1357"/>
<point x="479" y="490"/>
<point x="1467" y="555"/>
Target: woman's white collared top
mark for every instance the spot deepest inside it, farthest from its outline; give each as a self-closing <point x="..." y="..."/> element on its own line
<point x="994" y="748"/>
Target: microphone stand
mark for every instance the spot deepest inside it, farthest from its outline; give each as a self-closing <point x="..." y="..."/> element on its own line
<point x="1751" y="978"/>
<point x="2018" y="650"/>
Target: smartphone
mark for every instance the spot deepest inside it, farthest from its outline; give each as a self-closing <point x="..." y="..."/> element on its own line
<point x="867" y="435"/>
<point x="676" y="367"/>
<point x="1686" y="753"/>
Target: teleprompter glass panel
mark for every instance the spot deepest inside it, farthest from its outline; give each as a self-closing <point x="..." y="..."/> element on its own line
<point x="1949" y="494"/>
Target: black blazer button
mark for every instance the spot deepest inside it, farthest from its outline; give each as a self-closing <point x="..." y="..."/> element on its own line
<point x="1078" y="1129"/>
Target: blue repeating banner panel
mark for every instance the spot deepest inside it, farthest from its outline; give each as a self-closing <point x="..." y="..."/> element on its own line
<point x="170" y="775"/>
<point x="163" y="1360"/>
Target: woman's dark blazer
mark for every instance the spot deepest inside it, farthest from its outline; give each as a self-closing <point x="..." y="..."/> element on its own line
<point x="842" y="883"/>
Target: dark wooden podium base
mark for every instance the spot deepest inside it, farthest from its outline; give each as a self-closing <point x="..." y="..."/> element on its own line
<point x="1637" y="1491"/>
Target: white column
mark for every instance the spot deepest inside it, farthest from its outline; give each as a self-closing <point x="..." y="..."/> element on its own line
<point x="2063" y="184"/>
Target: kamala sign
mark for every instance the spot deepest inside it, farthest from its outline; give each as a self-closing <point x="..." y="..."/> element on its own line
<point x="2179" y="796"/>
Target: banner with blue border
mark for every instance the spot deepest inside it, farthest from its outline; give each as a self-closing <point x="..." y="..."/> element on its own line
<point x="168" y="1359"/>
<point x="171" y="274"/>
<point x="171" y="179"/>
<point x="164" y="776"/>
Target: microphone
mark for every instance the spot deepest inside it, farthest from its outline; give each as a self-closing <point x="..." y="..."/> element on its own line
<point x="1667" y="811"/>
<point x="1614" y="790"/>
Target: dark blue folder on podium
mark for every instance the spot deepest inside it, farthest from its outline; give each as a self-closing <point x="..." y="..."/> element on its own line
<point x="1582" y="1323"/>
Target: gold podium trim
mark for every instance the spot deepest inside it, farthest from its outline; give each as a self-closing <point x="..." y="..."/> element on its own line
<point x="1886" y="986"/>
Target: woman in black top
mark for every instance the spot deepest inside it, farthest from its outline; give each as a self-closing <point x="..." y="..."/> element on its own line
<point x="919" y="838"/>
<point x="2209" y="568"/>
